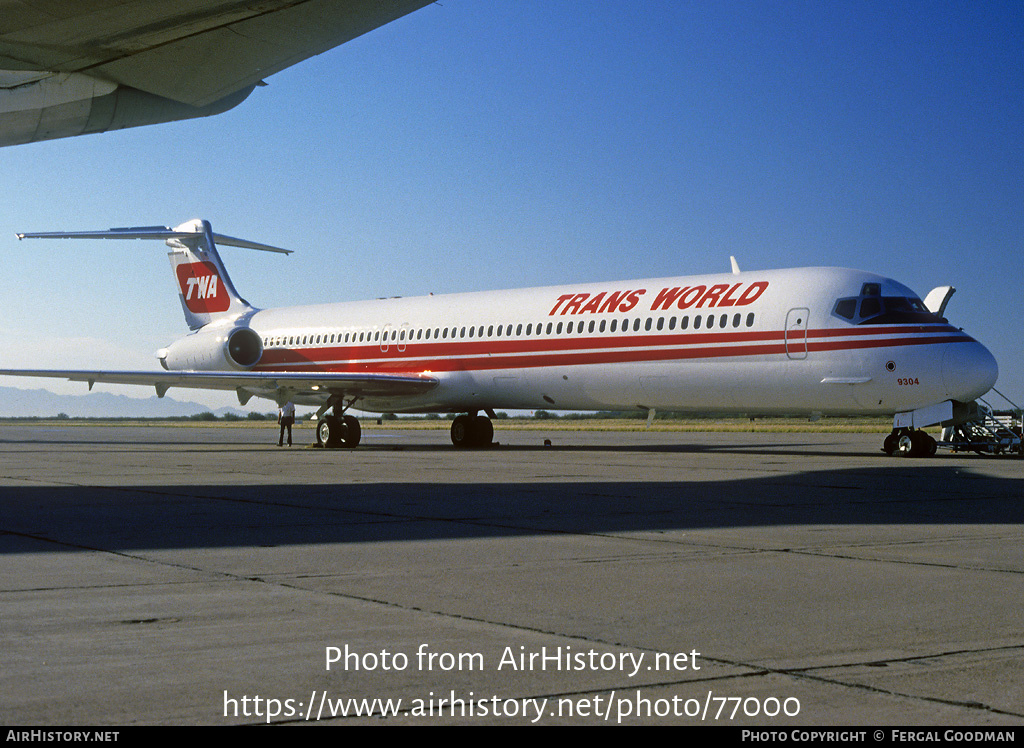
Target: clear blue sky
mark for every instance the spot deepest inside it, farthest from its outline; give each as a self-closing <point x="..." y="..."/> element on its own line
<point x="478" y="145"/>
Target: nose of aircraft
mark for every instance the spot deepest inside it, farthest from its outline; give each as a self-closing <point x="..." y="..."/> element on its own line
<point x="968" y="370"/>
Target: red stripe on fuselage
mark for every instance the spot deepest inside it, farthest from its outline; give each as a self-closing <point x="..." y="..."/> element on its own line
<point x="526" y="353"/>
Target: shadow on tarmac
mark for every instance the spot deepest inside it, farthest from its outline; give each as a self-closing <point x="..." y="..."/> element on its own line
<point x="78" y="518"/>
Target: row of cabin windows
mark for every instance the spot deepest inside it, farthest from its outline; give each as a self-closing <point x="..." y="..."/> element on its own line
<point x="649" y="324"/>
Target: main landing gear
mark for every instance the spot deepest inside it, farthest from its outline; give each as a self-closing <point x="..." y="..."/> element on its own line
<point x="472" y="431"/>
<point x="909" y="443"/>
<point x="338" y="431"/>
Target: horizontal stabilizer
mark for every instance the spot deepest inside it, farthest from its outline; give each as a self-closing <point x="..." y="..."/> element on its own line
<point x="152" y="232"/>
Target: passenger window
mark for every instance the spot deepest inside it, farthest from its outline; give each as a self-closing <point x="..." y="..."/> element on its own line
<point x="661" y="322"/>
<point x="591" y="325"/>
<point x="519" y="330"/>
<point x="696" y="322"/>
<point x="723" y="320"/>
<point x="647" y="325"/>
<point x="736" y="320"/>
<point x="568" y="327"/>
<point x="750" y="320"/>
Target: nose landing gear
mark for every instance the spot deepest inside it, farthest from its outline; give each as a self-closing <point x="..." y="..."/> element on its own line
<point x="909" y="443"/>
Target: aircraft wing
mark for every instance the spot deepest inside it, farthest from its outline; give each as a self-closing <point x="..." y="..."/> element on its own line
<point x="169" y="59"/>
<point x="273" y="385"/>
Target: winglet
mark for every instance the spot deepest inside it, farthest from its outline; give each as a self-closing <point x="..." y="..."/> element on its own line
<point x="735" y="265"/>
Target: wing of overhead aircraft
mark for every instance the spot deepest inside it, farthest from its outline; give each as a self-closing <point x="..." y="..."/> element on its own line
<point x="71" y="67"/>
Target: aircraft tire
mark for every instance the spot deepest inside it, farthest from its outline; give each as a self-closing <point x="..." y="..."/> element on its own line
<point x="484" y="431"/>
<point x="891" y="443"/>
<point x="352" y="432"/>
<point x="462" y="432"/>
<point x="472" y="432"/>
<point x="928" y="445"/>
<point x="329" y="431"/>
<point x="923" y="444"/>
<point x="905" y="444"/>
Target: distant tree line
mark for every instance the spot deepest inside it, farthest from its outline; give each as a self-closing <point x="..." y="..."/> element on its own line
<point x="539" y="415"/>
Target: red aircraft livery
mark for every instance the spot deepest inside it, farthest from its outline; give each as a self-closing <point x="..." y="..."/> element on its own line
<point x="201" y="289"/>
<point x="684" y="297"/>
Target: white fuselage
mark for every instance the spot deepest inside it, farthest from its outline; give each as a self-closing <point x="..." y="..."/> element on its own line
<point x="755" y="343"/>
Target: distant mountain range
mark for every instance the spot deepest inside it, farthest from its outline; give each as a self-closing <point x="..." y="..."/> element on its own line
<point x="41" y="403"/>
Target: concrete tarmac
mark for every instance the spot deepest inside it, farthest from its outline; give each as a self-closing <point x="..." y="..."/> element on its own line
<point x="170" y="575"/>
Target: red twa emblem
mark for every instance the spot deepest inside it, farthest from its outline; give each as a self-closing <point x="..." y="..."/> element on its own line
<point x="201" y="288"/>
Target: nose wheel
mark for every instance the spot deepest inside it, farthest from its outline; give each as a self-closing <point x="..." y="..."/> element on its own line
<point x="909" y="443"/>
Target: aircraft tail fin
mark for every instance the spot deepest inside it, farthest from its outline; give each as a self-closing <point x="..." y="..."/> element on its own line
<point x="204" y="287"/>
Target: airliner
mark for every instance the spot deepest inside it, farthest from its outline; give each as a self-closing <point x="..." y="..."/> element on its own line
<point x="807" y="341"/>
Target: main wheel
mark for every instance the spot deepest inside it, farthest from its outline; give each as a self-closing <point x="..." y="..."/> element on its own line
<point x="484" y="431"/>
<point x="462" y="432"/>
<point x="328" y="432"/>
<point x="472" y="432"/>
<point x="352" y="432"/>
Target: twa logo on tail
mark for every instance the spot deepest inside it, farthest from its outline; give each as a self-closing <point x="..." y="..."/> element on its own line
<point x="201" y="288"/>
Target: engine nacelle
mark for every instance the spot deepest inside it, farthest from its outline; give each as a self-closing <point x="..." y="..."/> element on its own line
<point x="223" y="349"/>
<point x="38" y="106"/>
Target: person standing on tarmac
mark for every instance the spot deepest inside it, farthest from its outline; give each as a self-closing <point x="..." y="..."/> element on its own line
<point x="285" y="417"/>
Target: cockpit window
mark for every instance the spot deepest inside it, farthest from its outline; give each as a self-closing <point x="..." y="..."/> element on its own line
<point x="846" y="308"/>
<point x="873" y="309"/>
<point x="870" y="307"/>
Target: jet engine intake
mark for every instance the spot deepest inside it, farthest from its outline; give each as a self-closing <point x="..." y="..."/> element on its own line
<point x="236" y="349"/>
